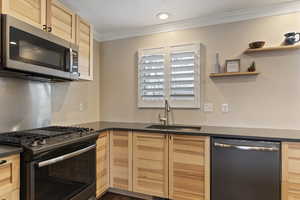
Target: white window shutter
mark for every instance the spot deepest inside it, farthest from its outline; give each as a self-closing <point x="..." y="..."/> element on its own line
<point x="151" y="78"/>
<point x="184" y="84"/>
<point x="171" y="73"/>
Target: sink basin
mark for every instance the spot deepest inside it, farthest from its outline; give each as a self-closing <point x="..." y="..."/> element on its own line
<point x="177" y="128"/>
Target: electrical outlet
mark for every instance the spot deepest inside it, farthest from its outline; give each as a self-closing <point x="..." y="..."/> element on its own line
<point x="225" y="108"/>
<point x="208" y="107"/>
<point x="81" y="107"/>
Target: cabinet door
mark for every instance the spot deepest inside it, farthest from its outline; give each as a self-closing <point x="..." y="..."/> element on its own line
<point x="84" y="39"/>
<point x="15" y="195"/>
<point x="189" y="167"/>
<point x="30" y="11"/>
<point x="121" y="160"/>
<point x="150" y="164"/>
<point x="290" y="171"/>
<point x="61" y="20"/>
<point x="102" y="164"/>
<point x="9" y="174"/>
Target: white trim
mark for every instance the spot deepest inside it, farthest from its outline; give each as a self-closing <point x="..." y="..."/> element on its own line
<point x="226" y="17"/>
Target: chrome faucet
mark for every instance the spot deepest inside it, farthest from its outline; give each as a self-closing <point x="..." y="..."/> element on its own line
<point x="165" y="119"/>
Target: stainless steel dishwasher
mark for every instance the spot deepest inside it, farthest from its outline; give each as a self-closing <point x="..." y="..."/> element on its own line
<point x="245" y="170"/>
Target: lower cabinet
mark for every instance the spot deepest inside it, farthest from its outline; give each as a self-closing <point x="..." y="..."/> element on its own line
<point x="150" y="164"/>
<point x="121" y="160"/>
<point x="162" y="165"/>
<point x="171" y="166"/>
<point x="189" y="167"/>
<point x="102" y="166"/>
<point x="290" y="171"/>
<point x="9" y="177"/>
<point x="15" y="195"/>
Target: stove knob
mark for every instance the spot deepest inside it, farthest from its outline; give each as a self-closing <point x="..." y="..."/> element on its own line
<point x="42" y="142"/>
<point x="34" y="143"/>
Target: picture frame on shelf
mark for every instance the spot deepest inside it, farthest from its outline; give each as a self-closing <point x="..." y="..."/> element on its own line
<point x="233" y="65"/>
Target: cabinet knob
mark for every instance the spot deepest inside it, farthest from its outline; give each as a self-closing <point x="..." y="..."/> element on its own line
<point x="45" y="27"/>
<point x="49" y="29"/>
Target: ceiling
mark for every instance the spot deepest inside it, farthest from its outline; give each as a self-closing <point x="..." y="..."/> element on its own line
<point x="112" y="16"/>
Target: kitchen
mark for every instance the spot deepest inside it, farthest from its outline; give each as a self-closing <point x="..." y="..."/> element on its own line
<point x="225" y="128"/>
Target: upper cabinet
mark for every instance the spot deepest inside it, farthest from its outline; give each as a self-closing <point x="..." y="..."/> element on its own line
<point x="61" y="21"/>
<point x="30" y="11"/>
<point x="84" y="39"/>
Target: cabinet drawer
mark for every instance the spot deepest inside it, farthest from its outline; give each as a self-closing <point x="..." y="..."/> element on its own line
<point x="9" y="174"/>
<point x="15" y="195"/>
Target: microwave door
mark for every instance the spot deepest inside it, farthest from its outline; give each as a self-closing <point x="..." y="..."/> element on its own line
<point x="29" y="49"/>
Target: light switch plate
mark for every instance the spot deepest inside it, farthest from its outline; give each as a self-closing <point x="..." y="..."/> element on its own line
<point x="208" y="107"/>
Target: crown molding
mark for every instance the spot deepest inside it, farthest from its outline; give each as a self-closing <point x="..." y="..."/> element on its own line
<point x="226" y="17"/>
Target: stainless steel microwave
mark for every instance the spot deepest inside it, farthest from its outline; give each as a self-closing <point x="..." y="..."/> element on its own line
<point x="27" y="51"/>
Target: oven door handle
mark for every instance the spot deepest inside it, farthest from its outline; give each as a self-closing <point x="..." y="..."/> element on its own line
<point x="65" y="157"/>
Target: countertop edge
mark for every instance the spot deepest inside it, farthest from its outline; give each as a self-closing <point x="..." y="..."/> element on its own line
<point x="11" y="150"/>
<point x="233" y="136"/>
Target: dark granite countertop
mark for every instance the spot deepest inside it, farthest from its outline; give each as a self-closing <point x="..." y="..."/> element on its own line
<point x="225" y="132"/>
<point x="9" y="150"/>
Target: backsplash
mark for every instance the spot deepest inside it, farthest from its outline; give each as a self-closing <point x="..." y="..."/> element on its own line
<point x="28" y="104"/>
<point x="24" y="104"/>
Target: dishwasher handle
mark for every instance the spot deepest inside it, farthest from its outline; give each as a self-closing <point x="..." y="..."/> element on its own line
<point x="246" y="148"/>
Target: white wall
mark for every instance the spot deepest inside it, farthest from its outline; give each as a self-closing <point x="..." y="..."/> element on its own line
<point x="271" y="99"/>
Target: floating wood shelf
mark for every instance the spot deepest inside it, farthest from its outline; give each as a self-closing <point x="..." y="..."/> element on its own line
<point x="226" y="74"/>
<point x="279" y="48"/>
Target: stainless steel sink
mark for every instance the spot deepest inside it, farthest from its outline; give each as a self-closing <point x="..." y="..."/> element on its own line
<point x="176" y="128"/>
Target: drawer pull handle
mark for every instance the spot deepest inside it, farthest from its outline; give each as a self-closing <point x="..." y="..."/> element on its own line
<point x="2" y="162"/>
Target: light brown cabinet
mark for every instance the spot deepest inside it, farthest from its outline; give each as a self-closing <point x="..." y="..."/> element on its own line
<point x="49" y="15"/>
<point x="61" y="21"/>
<point x="102" y="167"/>
<point x="9" y="177"/>
<point x="189" y="167"/>
<point x="121" y="160"/>
<point x="290" y="171"/>
<point x="162" y="165"/>
<point x="15" y="195"/>
<point x="150" y="164"/>
<point x="30" y="11"/>
<point x="84" y="39"/>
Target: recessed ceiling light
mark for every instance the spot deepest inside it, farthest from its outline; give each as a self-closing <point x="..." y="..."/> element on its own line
<point x="163" y="15"/>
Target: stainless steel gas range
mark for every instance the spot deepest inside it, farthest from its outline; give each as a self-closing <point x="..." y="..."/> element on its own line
<point x="58" y="163"/>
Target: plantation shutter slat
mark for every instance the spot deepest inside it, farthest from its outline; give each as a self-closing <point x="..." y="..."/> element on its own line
<point x="184" y="76"/>
<point x="152" y="77"/>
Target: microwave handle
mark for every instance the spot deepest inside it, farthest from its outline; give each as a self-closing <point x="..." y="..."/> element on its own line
<point x="71" y="59"/>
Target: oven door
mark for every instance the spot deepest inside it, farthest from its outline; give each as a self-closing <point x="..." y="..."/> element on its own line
<point x="32" y="50"/>
<point x="64" y="174"/>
